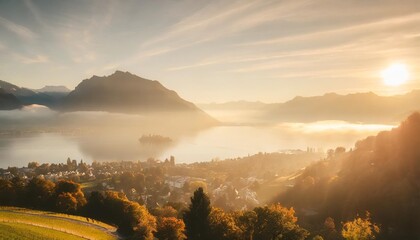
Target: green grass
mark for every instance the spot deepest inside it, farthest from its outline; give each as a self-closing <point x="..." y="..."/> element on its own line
<point x="24" y="231"/>
<point x="17" y="221"/>
<point x="62" y="215"/>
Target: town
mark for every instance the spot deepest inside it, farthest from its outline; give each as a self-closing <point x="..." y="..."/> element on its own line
<point x="232" y="184"/>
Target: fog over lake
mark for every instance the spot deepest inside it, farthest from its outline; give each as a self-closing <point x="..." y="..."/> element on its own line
<point x="39" y="134"/>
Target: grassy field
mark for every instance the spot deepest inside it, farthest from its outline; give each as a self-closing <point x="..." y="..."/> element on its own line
<point x="25" y="231"/>
<point x="18" y="223"/>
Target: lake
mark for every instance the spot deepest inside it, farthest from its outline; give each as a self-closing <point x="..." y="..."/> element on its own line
<point x="219" y="142"/>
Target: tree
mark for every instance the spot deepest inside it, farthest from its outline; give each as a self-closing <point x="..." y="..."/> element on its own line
<point x="146" y="223"/>
<point x="72" y="189"/>
<point x="246" y="221"/>
<point x="130" y="217"/>
<point x="66" y="202"/>
<point x="223" y="225"/>
<point x="329" y="232"/>
<point x="33" y="165"/>
<point x="7" y="192"/>
<point x="196" y="218"/>
<point x="95" y="207"/>
<point x="165" y="211"/>
<point x="39" y="192"/>
<point x="277" y="222"/>
<point x="170" y="228"/>
<point x="360" y="229"/>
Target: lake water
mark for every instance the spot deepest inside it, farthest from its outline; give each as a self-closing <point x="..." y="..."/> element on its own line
<point x="218" y="142"/>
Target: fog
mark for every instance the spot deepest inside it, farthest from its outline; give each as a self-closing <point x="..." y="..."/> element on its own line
<point x="36" y="133"/>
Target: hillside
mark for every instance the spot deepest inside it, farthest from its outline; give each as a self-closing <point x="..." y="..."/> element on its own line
<point x="124" y="92"/>
<point x="381" y="175"/>
<point x="19" y="223"/>
<point x="357" y="107"/>
<point x="8" y="101"/>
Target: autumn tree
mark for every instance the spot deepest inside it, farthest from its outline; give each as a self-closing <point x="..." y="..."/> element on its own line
<point x="146" y="223"/>
<point x="7" y="192"/>
<point x="196" y="217"/>
<point x="170" y="228"/>
<point x="222" y="225"/>
<point x="66" y="202"/>
<point x="165" y="211"/>
<point x="329" y="232"/>
<point x="246" y="221"/>
<point x="277" y="222"/>
<point x="69" y="196"/>
<point x="39" y="193"/>
<point x="131" y="218"/>
<point x="360" y="229"/>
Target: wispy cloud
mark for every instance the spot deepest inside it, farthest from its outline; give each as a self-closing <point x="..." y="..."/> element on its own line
<point x="347" y="30"/>
<point x="17" y="29"/>
<point x="32" y="59"/>
<point x="210" y="23"/>
<point x="204" y="19"/>
<point x="35" y="13"/>
<point x="374" y="37"/>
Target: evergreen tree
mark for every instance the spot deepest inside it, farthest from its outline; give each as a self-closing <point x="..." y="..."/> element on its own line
<point x="196" y="218"/>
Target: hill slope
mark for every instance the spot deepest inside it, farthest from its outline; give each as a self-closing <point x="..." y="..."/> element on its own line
<point x="19" y="223"/>
<point x="381" y="175"/>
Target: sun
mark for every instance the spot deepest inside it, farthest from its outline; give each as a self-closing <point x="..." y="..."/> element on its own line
<point x="395" y="75"/>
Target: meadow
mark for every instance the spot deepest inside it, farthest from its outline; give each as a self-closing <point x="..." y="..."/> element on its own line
<point x="19" y="223"/>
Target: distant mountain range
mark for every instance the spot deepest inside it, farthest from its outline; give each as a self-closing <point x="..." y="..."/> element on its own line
<point x="121" y="92"/>
<point x="53" y="89"/>
<point x="357" y="107"/>
<point x="27" y="96"/>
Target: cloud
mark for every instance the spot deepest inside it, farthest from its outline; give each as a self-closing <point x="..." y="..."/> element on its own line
<point x="208" y="17"/>
<point x="382" y="37"/>
<point x="19" y="30"/>
<point x="32" y="60"/>
<point x="348" y="30"/>
<point x="211" y="23"/>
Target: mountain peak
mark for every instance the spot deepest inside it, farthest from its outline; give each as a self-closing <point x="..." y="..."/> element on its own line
<point x="119" y="72"/>
<point x="124" y="92"/>
<point x="50" y="88"/>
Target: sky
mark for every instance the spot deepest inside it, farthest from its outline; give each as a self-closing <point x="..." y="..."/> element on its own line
<point x="214" y="50"/>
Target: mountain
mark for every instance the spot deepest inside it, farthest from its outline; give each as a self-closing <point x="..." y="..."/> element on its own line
<point x="380" y="175"/>
<point x="234" y="106"/>
<point x="123" y="92"/>
<point x="357" y="107"/>
<point x="53" y="89"/>
<point x="28" y="96"/>
<point x="8" y="101"/>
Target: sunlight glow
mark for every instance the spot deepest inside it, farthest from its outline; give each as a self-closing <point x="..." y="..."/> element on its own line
<point x="395" y="75"/>
<point x="337" y="126"/>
